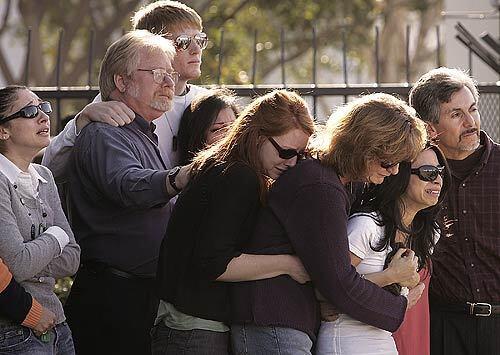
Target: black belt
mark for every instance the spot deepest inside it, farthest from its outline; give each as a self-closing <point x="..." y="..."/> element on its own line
<point x="478" y="309"/>
<point x="99" y="268"/>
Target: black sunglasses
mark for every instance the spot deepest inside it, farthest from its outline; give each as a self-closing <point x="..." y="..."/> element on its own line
<point x="387" y="164"/>
<point x="428" y="172"/>
<point x="183" y="41"/>
<point x="286" y="153"/>
<point x="30" y="111"/>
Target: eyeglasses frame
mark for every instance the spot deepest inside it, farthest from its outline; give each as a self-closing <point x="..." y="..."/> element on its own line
<point x="174" y="76"/>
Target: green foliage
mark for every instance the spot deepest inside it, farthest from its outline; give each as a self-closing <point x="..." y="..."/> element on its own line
<point x="296" y="19"/>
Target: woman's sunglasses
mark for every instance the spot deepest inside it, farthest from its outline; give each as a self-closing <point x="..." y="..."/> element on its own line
<point x="286" y="153"/>
<point x="30" y="111"/>
<point x="183" y="42"/>
<point x="428" y="172"/>
<point x="387" y="164"/>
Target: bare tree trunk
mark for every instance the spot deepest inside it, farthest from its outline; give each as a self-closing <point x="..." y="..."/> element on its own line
<point x="392" y="42"/>
<point x="32" y="13"/>
<point x="425" y="56"/>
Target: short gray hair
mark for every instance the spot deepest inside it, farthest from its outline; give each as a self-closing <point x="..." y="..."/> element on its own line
<point x="123" y="56"/>
<point x="436" y="87"/>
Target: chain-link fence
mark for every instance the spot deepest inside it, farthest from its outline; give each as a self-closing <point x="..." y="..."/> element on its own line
<point x="489" y="108"/>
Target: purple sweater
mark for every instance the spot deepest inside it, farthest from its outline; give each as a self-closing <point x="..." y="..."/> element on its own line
<point x="307" y="215"/>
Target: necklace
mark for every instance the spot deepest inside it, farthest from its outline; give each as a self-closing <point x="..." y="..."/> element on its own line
<point x="42" y="226"/>
<point x="174" y="136"/>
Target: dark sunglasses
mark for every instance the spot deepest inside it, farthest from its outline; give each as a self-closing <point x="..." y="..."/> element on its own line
<point x="30" y="111"/>
<point x="428" y="172"/>
<point x="387" y="164"/>
<point x="286" y="153"/>
<point x="183" y="41"/>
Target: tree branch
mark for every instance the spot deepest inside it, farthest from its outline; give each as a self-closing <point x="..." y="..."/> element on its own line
<point x="220" y="21"/>
<point x="300" y="50"/>
<point x="3" y="27"/>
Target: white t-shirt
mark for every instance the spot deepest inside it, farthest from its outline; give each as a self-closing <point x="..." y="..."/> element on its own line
<point x="168" y="125"/>
<point x="363" y="233"/>
<point x="347" y="335"/>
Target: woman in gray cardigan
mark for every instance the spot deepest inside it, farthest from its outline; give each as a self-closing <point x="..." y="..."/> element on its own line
<point x="36" y="241"/>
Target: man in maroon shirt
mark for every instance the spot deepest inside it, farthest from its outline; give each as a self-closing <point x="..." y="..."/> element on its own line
<point x="465" y="285"/>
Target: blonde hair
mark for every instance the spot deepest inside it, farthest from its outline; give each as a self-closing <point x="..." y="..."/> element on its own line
<point x="376" y="126"/>
<point x="123" y="57"/>
<point x="273" y="114"/>
<point x="162" y="17"/>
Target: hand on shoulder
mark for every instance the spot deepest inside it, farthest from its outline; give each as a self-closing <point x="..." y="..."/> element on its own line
<point x="114" y="113"/>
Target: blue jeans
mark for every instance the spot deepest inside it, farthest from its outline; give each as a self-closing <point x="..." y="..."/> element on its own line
<point x="255" y="340"/>
<point x="16" y="339"/>
<point x="168" y="341"/>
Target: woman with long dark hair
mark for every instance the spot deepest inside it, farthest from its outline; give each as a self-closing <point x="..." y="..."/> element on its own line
<point x="205" y="121"/>
<point x="403" y="213"/>
<point x="36" y="241"/>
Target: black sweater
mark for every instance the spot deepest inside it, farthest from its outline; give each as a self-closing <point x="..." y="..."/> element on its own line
<point x="212" y="219"/>
<point x="15" y="302"/>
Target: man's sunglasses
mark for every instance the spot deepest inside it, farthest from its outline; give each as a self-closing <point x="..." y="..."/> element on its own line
<point x="30" y="111"/>
<point x="286" y="153"/>
<point x="183" y="41"/>
<point x="428" y="172"/>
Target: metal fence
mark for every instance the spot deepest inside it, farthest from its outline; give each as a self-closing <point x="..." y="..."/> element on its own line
<point x="317" y="94"/>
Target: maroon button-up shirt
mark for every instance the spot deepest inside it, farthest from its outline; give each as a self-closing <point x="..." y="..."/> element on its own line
<point x="466" y="263"/>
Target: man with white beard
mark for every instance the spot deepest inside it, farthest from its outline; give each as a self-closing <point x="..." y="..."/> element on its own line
<point x="119" y="192"/>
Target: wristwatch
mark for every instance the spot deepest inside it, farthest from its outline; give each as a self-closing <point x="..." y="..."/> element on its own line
<point x="172" y="174"/>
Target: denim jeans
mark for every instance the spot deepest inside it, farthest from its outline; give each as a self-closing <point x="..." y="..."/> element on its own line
<point x="16" y="339"/>
<point x="254" y="340"/>
<point x="168" y="341"/>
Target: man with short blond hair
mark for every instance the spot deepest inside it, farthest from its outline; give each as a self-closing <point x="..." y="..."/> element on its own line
<point x="120" y="189"/>
<point x="178" y="22"/>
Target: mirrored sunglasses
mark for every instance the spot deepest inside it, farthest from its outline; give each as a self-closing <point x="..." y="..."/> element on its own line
<point x="183" y="41"/>
<point x="428" y="172"/>
<point x="286" y="153"/>
<point x="30" y="111"/>
<point x="160" y="76"/>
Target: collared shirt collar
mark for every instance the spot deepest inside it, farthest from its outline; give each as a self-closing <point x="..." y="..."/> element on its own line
<point x="146" y="127"/>
<point x="11" y="171"/>
<point x="143" y="125"/>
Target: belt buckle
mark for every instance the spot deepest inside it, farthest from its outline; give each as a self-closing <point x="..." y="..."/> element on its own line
<point x="473" y="305"/>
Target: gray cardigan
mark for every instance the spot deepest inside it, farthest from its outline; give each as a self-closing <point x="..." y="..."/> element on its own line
<point x="36" y="263"/>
